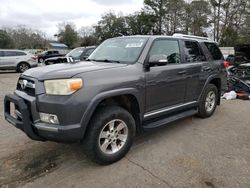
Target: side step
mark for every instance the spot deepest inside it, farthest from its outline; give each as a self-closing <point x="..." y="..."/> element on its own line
<point x="164" y="121"/>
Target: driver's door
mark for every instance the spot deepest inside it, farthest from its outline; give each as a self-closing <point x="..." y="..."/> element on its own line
<point x="166" y="85"/>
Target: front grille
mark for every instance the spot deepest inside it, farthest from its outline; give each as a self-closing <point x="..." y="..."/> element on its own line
<point x="27" y="86"/>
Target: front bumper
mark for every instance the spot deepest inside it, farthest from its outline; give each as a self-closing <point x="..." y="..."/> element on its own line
<point x="28" y="121"/>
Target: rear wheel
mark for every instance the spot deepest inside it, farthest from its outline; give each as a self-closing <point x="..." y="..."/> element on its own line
<point x="21" y="67"/>
<point x="208" y="101"/>
<point x="41" y="60"/>
<point x="110" y="135"/>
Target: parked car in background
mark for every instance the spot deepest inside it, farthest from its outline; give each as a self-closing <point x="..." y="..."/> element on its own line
<point x="34" y="51"/>
<point x="77" y="54"/>
<point x="16" y="60"/>
<point x="48" y="54"/>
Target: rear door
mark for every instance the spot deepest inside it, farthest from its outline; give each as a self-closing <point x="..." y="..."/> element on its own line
<point x="9" y="59"/>
<point x="217" y="62"/>
<point x="165" y="85"/>
<point x="197" y="68"/>
<point x="1" y="59"/>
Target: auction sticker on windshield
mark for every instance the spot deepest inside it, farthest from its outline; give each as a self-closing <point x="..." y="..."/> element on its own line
<point x="134" y="45"/>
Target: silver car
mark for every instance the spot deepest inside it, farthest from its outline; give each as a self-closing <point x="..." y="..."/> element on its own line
<point x="16" y="60"/>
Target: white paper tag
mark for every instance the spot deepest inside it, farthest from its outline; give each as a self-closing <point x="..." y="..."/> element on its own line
<point x="134" y="45"/>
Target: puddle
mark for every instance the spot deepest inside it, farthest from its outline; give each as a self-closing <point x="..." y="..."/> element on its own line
<point x="27" y="166"/>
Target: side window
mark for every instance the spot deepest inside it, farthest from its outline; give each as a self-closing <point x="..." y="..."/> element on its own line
<point x="48" y="53"/>
<point x="214" y="50"/>
<point x="168" y="49"/>
<point x="10" y="53"/>
<point x="89" y="52"/>
<point x="20" y="54"/>
<point x="193" y="52"/>
<point x="1" y="54"/>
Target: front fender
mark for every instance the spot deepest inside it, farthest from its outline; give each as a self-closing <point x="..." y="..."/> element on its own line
<point x="100" y="97"/>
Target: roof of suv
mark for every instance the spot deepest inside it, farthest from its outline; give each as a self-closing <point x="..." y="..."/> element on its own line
<point x="175" y="36"/>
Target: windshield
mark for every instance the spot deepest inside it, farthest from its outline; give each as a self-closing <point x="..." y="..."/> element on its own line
<point x="124" y="50"/>
<point x="75" y="53"/>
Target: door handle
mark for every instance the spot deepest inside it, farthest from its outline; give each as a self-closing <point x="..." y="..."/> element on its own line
<point x="182" y="72"/>
<point x="206" y="69"/>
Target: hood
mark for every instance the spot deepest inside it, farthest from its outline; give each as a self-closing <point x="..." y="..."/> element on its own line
<point x="54" y="58"/>
<point x="68" y="70"/>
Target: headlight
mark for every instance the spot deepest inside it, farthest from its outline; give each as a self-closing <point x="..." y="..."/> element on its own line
<point x="63" y="86"/>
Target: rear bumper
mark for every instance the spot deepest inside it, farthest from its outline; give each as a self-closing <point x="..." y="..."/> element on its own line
<point x="25" y="120"/>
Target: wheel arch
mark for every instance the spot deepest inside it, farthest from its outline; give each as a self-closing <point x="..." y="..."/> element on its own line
<point x="20" y="63"/>
<point x="215" y="80"/>
<point x="125" y="98"/>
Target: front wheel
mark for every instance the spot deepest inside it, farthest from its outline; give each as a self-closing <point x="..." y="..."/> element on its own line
<point x="110" y="135"/>
<point x="208" y="101"/>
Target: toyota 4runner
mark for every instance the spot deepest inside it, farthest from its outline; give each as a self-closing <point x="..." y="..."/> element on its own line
<point x="127" y="85"/>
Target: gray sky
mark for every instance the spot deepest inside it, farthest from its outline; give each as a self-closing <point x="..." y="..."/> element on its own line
<point x="46" y="14"/>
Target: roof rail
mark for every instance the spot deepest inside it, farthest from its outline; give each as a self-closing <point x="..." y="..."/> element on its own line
<point x="190" y="36"/>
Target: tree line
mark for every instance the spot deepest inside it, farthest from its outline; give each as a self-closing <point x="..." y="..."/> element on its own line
<point x="225" y="21"/>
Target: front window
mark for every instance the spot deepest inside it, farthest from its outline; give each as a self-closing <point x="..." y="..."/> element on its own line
<point x="75" y="53"/>
<point x="167" y="49"/>
<point x="124" y="50"/>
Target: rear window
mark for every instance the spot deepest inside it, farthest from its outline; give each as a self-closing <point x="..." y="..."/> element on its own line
<point x="193" y="52"/>
<point x="20" y="53"/>
<point x="214" y="51"/>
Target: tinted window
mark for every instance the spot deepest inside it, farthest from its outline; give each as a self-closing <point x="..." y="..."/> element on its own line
<point x="88" y="52"/>
<point x="1" y="54"/>
<point x="20" y="53"/>
<point x="49" y="53"/>
<point x="193" y="52"/>
<point x="10" y="53"/>
<point x="168" y="48"/>
<point x="214" y="50"/>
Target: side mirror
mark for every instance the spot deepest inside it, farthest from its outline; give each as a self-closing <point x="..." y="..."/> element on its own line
<point x="157" y="60"/>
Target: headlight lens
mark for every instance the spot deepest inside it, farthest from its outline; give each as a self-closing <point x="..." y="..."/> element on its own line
<point x="63" y="86"/>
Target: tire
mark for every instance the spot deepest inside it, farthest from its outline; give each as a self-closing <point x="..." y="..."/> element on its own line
<point x="208" y="101"/>
<point x="40" y="60"/>
<point x="100" y="147"/>
<point x="21" y="67"/>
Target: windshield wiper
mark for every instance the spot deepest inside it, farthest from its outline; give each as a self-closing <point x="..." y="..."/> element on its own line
<point x="104" y="60"/>
<point x="111" y="61"/>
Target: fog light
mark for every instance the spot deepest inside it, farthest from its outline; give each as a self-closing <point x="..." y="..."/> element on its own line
<point x="49" y="118"/>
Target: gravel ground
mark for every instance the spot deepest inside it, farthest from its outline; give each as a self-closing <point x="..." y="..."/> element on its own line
<point x="193" y="152"/>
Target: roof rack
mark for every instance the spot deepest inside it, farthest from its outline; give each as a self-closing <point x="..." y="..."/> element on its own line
<point x="190" y="36"/>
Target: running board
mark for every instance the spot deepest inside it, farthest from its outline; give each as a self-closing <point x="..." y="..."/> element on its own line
<point x="170" y="119"/>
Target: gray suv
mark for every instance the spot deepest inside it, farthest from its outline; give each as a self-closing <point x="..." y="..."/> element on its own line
<point x="127" y="85"/>
<point x="16" y="60"/>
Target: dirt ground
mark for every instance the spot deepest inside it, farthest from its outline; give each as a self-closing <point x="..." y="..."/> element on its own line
<point x="193" y="152"/>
